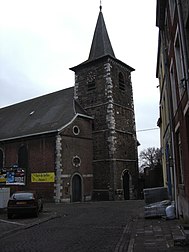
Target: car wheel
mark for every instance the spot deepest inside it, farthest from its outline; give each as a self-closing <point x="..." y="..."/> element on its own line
<point x="9" y="215"/>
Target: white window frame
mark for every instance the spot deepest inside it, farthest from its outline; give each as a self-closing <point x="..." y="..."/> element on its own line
<point x="173" y="86"/>
<point x="172" y="5"/>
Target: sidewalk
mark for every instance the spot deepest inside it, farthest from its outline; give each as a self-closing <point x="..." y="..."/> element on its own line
<point x="156" y="234"/>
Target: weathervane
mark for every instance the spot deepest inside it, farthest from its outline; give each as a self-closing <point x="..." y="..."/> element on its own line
<point x="100" y="5"/>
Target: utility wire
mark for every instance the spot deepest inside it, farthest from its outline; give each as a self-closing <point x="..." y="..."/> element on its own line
<point x="147" y="129"/>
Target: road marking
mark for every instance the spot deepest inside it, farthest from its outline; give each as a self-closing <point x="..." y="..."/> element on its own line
<point x="12" y="222"/>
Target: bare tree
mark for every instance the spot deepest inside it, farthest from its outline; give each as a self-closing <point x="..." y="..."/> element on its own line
<point x="150" y="157"/>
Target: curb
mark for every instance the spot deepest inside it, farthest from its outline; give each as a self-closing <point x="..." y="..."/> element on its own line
<point x="125" y="241"/>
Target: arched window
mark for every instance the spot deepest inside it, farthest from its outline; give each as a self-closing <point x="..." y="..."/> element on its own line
<point x="1" y="159"/>
<point x="23" y="157"/>
<point x="121" y="82"/>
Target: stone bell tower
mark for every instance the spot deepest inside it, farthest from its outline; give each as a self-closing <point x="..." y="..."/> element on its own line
<point x="103" y="88"/>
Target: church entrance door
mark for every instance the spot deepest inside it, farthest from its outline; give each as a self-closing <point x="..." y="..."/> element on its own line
<point x="76" y="188"/>
<point x="126" y="185"/>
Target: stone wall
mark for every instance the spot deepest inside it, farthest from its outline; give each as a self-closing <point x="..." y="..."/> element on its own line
<point x="114" y="134"/>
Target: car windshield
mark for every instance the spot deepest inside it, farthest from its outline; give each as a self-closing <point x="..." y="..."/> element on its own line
<point x="22" y="196"/>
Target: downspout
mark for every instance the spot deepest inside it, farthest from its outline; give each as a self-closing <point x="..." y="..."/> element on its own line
<point x="183" y="42"/>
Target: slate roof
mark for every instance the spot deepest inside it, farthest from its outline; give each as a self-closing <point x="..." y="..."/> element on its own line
<point x="101" y="45"/>
<point x="44" y="114"/>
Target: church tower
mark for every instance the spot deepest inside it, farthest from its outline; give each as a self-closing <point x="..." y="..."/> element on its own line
<point x="103" y="88"/>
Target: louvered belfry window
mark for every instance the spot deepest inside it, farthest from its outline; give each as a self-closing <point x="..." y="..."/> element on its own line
<point x="121" y="82"/>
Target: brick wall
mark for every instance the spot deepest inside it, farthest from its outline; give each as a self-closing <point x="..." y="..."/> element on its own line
<point x="40" y="160"/>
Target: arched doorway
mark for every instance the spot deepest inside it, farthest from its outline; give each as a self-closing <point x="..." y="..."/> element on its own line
<point x="76" y="188"/>
<point x="126" y="186"/>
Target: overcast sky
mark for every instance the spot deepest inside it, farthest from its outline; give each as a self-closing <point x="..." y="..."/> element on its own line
<point x="41" y="39"/>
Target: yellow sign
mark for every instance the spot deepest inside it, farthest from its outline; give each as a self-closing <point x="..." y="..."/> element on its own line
<point x="2" y="179"/>
<point x="42" y="177"/>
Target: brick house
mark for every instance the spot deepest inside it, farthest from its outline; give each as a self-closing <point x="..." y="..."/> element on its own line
<point x="172" y="19"/>
<point x="84" y="135"/>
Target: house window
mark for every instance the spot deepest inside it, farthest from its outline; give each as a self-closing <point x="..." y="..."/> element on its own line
<point x="179" y="155"/>
<point x="179" y="64"/>
<point x="173" y="88"/>
<point x="165" y="109"/>
<point x="162" y="74"/>
<point x="1" y="159"/>
<point x="121" y="82"/>
<point x="172" y="8"/>
<point x="167" y="33"/>
<point x="187" y="32"/>
<point x="187" y="127"/>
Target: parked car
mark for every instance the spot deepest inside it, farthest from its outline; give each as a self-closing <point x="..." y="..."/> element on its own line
<point x="24" y="202"/>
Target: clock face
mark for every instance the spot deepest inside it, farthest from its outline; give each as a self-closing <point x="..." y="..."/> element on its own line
<point x="91" y="77"/>
<point x="91" y="83"/>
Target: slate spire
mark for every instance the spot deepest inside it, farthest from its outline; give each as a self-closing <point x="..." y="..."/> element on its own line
<point x="101" y="45"/>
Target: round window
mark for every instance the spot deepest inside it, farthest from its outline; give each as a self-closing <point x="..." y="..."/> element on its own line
<point x="76" y="130"/>
<point x="76" y="161"/>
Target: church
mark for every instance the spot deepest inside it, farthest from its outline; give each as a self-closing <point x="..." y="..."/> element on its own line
<point x="77" y="144"/>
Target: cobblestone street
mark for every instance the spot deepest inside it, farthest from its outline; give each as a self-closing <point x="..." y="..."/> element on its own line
<point x="95" y="226"/>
